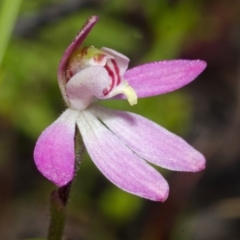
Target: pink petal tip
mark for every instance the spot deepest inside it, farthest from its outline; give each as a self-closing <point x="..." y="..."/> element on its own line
<point x="54" y="151"/>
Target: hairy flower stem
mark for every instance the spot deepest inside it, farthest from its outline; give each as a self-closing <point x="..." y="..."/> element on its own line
<point x="58" y="201"/>
<point x="59" y="197"/>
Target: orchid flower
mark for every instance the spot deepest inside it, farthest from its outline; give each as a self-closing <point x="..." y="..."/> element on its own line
<point x="119" y="143"/>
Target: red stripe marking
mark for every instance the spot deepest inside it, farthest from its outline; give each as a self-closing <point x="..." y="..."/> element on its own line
<point x="111" y="74"/>
<point x="116" y="68"/>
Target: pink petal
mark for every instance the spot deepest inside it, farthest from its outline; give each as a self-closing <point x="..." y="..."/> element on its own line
<point x="118" y="163"/>
<point x="121" y="60"/>
<point x="54" y="151"/>
<point x="160" y="77"/>
<point x="152" y="142"/>
<point x="71" y="48"/>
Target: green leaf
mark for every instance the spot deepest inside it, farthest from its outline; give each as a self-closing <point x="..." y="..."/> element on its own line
<point x="8" y="14"/>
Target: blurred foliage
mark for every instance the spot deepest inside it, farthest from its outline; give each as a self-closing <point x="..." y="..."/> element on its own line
<point x="8" y="14"/>
<point x="30" y="98"/>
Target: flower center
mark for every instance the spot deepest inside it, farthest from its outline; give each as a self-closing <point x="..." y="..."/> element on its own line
<point x="83" y="58"/>
<point x="111" y="62"/>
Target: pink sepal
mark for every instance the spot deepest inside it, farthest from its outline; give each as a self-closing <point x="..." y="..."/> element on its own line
<point x="71" y="48"/>
<point x="54" y="151"/>
<point x="118" y="162"/>
<point x="151" y="141"/>
<point x="161" y="77"/>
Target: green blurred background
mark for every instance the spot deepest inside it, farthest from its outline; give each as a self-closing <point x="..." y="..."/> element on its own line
<point x="201" y="206"/>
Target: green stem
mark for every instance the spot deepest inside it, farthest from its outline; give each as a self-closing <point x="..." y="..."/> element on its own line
<point x="58" y="202"/>
<point x="59" y="197"/>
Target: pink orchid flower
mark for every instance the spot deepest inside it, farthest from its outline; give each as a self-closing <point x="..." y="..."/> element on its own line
<point x="119" y="143"/>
